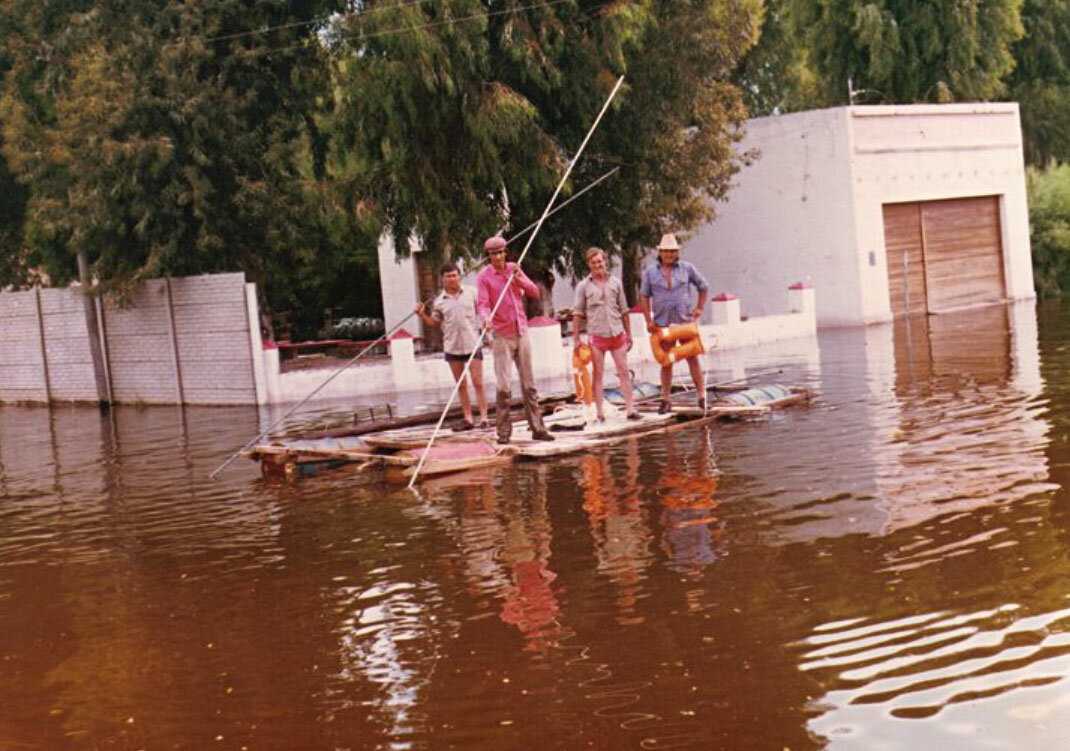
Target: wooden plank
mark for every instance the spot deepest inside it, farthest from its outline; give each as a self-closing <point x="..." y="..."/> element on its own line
<point x="963" y="252"/>
<point x="905" y="258"/>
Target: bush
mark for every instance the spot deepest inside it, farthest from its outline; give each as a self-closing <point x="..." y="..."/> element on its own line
<point x="1049" y="220"/>
<point x="361" y="329"/>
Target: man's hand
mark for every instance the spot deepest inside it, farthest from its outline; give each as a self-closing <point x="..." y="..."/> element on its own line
<point x="651" y="327"/>
<point x="696" y="314"/>
<point x="628" y="338"/>
<point x="419" y="309"/>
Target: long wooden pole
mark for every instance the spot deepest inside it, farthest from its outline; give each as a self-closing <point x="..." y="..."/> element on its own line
<point x="315" y="391"/>
<point x="505" y="290"/>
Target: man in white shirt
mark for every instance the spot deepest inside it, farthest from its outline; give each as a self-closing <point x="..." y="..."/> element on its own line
<point x="455" y="311"/>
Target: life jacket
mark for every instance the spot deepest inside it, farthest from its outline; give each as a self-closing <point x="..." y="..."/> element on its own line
<point x="581" y="373"/>
<point x="674" y="343"/>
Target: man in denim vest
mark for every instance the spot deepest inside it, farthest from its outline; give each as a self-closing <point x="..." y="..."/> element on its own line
<point x="665" y="299"/>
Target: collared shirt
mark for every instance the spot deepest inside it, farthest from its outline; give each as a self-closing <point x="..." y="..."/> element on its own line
<point x="510" y="319"/>
<point x="460" y="323"/>
<point x="671" y="302"/>
<point x="602" y="305"/>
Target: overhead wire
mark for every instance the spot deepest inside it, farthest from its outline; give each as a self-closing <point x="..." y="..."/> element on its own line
<point x="397" y="30"/>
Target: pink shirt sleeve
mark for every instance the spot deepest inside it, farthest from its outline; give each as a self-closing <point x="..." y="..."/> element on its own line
<point x="530" y="288"/>
<point x="483" y="302"/>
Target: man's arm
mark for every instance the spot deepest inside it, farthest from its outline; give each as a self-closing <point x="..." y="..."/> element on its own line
<point x="430" y="320"/>
<point x="702" y="297"/>
<point x="703" y="291"/>
<point x="483" y="302"/>
<point x="625" y="315"/>
<point x="644" y="306"/>
<point x="530" y="288"/>
<point x="579" y="313"/>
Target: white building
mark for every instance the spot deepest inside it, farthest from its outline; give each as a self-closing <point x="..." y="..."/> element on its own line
<point x="885" y="210"/>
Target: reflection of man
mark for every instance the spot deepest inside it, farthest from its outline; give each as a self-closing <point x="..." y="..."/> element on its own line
<point x="618" y="526"/>
<point x="455" y="311"/>
<point x="511" y="343"/>
<point x="665" y="299"/>
<point x="689" y="509"/>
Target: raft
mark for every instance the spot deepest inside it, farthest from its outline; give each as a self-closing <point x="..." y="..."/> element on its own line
<point x="398" y="451"/>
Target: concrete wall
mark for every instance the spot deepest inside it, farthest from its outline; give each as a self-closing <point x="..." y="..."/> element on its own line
<point x="551" y="356"/>
<point x="397" y="280"/>
<point x="183" y="340"/>
<point x="929" y="153"/>
<point x="788" y="219"/>
<point x="810" y="208"/>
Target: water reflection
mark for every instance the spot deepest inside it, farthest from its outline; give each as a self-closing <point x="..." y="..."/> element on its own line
<point x="886" y="567"/>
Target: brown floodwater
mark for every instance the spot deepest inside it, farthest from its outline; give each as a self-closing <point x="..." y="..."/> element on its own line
<point x="885" y="569"/>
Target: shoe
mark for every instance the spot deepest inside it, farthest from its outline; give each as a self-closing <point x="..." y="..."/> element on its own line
<point x="665" y="408"/>
<point x="601" y="418"/>
<point x="633" y="416"/>
<point x="702" y="404"/>
<point x="542" y="435"/>
<point x="484" y="424"/>
<point x="463" y="427"/>
<point x="503" y="441"/>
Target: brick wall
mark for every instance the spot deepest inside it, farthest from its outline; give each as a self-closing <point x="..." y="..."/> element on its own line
<point x="185" y="340"/>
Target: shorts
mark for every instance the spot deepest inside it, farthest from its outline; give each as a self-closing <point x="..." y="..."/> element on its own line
<point x="463" y="358"/>
<point x="609" y="343"/>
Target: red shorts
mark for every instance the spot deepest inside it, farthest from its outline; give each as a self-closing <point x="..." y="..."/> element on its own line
<point x="609" y="343"/>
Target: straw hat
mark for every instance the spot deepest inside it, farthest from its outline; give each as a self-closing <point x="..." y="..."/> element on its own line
<point x="494" y="243"/>
<point x="668" y="242"/>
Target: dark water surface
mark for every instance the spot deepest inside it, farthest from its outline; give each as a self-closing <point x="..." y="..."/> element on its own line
<point x="886" y="569"/>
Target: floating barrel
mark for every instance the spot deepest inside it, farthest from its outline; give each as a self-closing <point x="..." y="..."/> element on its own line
<point x="756" y="396"/>
<point x="674" y="343"/>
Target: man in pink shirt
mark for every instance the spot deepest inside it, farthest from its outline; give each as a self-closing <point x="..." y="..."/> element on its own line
<point x="510" y="329"/>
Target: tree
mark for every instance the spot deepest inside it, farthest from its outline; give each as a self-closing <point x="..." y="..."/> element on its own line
<point x="161" y="138"/>
<point x="458" y="117"/>
<point x="1041" y="80"/>
<point x="773" y="75"/>
<point x="900" y="51"/>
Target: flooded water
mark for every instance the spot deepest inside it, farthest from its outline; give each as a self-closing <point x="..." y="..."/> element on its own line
<point x="885" y="569"/>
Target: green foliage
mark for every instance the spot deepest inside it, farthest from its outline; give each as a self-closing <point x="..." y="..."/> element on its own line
<point x="162" y="138"/>
<point x="908" y="50"/>
<point x="458" y="127"/>
<point x="1049" y="219"/>
<point x="1041" y="80"/>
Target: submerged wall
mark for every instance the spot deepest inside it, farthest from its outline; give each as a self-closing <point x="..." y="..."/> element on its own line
<point x="182" y="340"/>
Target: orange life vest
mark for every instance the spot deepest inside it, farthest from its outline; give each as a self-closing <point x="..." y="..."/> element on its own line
<point x="581" y="373"/>
<point x="674" y="343"/>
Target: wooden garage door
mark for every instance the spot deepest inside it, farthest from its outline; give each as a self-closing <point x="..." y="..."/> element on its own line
<point x="943" y="255"/>
<point x="906" y="268"/>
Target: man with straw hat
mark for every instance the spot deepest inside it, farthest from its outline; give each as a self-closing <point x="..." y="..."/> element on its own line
<point x="665" y="299"/>
<point x="505" y="281"/>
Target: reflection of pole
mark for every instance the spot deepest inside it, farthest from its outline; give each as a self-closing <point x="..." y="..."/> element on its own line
<point x="92" y="327"/>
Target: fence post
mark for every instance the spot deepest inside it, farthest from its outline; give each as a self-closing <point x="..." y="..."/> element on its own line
<point x="179" y="391"/>
<point x="44" y="349"/>
<point x="94" y="331"/>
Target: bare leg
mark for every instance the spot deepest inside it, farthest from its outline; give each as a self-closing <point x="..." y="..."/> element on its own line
<point x="697" y="376"/>
<point x="620" y="359"/>
<point x="666" y="382"/>
<point x="476" y="371"/>
<point x="457" y="368"/>
<point x="598" y="367"/>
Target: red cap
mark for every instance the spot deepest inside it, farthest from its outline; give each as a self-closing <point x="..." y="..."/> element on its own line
<point x="494" y="243"/>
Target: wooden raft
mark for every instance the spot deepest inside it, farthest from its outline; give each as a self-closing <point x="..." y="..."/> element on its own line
<point x="399" y="450"/>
